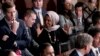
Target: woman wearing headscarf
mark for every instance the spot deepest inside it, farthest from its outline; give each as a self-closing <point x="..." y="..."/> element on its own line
<point x="52" y="32"/>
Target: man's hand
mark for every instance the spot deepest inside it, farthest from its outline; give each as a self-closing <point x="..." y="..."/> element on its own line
<point x="68" y="29"/>
<point x="14" y="26"/>
<point x="5" y="37"/>
<point x="38" y="30"/>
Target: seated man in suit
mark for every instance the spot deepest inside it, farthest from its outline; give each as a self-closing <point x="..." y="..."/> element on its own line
<point x="95" y="33"/>
<point x="13" y="33"/>
<point x="83" y="44"/>
<point x="79" y="17"/>
<point x="29" y="20"/>
<point x="95" y="20"/>
<point x="40" y="12"/>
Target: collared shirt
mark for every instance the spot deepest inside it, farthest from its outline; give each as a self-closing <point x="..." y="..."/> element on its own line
<point x="39" y="14"/>
<point x="79" y="53"/>
<point x="79" y="20"/>
<point x="38" y="10"/>
<point x="96" y="51"/>
<point x="9" y="23"/>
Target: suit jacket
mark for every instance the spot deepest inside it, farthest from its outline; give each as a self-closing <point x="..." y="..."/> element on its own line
<point x="79" y="27"/>
<point x="21" y="38"/>
<point x="74" y="53"/>
<point x="90" y="53"/>
<point x="33" y="29"/>
<point x="37" y="17"/>
<point x="33" y="45"/>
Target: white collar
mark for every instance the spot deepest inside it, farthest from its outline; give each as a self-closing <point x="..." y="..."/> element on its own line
<point x="94" y="50"/>
<point x="38" y="10"/>
<point x="8" y="23"/>
<point x="52" y="28"/>
<point x="80" y="18"/>
<point x="26" y="26"/>
<point x="79" y="53"/>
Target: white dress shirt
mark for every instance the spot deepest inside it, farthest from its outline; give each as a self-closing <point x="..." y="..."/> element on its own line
<point x="80" y="20"/>
<point x="79" y="53"/>
<point x="96" y="51"/>
<point x="39" y="14"/>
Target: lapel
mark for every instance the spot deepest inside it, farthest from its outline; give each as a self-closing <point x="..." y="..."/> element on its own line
<point x="90" y="53"/>
<point x="74" y="53"/>
<point x="43" y="12"/>
<point x="37" y="18"/>
<point x="99" y="49"/>
<point x="3" y="22"/>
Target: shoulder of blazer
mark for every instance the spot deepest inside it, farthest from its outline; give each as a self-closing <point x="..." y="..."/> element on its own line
<point x="3" y="22"/>
<point x="74" y="53"/>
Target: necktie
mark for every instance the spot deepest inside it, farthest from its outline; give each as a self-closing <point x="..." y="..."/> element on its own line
<point x="97" y="53"/>
<point x="79" y="22"/>
<point x="28" y="33"/>
<point x="40" y="18"/>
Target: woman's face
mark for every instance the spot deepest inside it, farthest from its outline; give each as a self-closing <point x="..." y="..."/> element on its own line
<point x="48" y="21"/>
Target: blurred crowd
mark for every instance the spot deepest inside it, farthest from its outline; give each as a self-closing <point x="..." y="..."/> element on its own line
<point x="72" y="30"/>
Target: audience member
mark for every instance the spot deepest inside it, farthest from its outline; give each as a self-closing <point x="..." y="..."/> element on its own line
<point x="83" y="44"/>
<point x="79" y="17"/>
<point x="40" y="12"/>
<point x="95" y="20"/>
<point x="29" y="20"/>
<point x="66" y="15"/>
<point x="52" y="32"/>
<point x="95" y="33"/>
<point x="13" y="32"/>
<point x="46" y="49"/>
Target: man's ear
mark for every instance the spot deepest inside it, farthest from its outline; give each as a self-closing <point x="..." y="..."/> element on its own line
<point x="85" y="47"/>
<point x="25" y="18"/>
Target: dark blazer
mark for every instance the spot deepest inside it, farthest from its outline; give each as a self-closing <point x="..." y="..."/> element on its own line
<point x="33" y="29"/>
<point x="37" y="17"/>
<point x="90" y="53"/>
<point x="46" y="36"/>
<point x="79" y="27"/>
<point x="74" y="53"/>
<point x="33" y="45"/>
<point x="21" y="38"/>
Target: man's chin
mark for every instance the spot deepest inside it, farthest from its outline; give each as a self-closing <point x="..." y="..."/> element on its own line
<point x="38" y="8"/>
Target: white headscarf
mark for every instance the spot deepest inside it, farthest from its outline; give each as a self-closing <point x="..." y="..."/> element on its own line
<point x="55" y="19"/>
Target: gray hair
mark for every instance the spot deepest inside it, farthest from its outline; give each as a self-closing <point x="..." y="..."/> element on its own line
<point x="82" y="40"/>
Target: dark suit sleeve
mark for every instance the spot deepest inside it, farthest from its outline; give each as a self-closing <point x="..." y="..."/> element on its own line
<point x="10" y="41"/>
<point x="23" y="40"/>
<point x="26" y="41"/>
